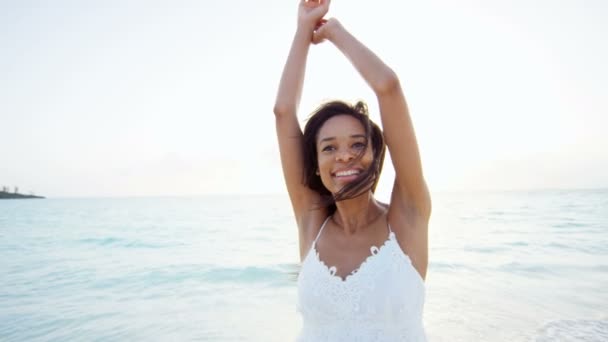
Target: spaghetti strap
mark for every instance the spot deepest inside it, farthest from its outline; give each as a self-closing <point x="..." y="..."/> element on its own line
<point x="321" y="229"/>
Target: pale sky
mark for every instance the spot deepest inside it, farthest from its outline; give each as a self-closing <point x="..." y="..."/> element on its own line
<point x="145" y="98"/>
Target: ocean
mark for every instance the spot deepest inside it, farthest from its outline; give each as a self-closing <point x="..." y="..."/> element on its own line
<point x="504" y="266"/>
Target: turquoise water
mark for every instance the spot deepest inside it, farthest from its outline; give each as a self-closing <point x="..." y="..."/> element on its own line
<point x="505" y="266"/>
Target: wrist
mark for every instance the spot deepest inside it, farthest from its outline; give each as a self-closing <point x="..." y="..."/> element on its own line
<point x="334" y="28"/>
<point x="305" y="28"/>
<point x="303" y="35"/>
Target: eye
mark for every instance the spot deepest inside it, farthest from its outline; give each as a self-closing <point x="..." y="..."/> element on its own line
<point x="359" y="145"/>
<point x="328" y="148"/>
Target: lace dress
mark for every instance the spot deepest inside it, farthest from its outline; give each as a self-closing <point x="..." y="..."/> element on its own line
<point x="382" y="300"/>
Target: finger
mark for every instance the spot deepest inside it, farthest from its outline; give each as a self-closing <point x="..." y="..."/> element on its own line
<point x="315" y="38"/>
<point x="309" y="3"/>
<point x="320" y="23"/>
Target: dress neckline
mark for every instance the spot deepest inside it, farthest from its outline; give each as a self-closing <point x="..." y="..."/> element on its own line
<point x="332" y="270"/>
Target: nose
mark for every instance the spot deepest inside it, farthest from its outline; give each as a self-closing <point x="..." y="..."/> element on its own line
<point x="344" y="155"/>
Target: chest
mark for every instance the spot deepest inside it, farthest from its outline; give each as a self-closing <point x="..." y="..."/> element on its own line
<point x="385" y="286"/>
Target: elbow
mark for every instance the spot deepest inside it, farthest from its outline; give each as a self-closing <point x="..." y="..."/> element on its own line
<point x="281" y="109"/>
<point x="387" y="82"/>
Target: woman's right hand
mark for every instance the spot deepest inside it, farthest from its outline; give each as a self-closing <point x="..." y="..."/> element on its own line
<point x="311" y="12"/>
<point x="325" y="29"/>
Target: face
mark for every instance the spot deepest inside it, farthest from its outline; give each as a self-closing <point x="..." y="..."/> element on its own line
<point x="340" y="141"/>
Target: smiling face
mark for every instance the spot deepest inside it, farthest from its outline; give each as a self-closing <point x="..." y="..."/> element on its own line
<point x="339" y="162"/>
<point x="342" y="152"/>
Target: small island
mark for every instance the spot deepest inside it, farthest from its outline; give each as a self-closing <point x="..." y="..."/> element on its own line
<point x="5" y="194"/>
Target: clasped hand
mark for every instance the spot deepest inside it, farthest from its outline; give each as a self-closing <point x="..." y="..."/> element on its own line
<point x="310" y="17"/>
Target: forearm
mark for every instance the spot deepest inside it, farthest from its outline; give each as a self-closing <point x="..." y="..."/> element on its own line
<point x="396" y="122"/>
<point x="292" y="79"/>
<point x="378" y="75"/>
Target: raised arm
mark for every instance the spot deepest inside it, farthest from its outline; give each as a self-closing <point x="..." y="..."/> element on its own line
<point x="410" y="205"/>
<point x="396" y="122"/>
<point x="289" y="132"/>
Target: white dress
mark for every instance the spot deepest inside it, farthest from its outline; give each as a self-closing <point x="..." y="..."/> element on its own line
<point x="382" y="300"/>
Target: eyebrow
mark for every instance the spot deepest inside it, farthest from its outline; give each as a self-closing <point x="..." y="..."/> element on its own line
<point x="334" y="138"/>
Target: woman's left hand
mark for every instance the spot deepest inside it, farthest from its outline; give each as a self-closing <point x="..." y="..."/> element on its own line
<point x="311" y="13"/>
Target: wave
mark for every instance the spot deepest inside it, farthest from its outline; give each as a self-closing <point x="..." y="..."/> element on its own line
<point x="275" y="275"/>
<point x="485" y="250"/>
<point x="517" y="244"/>
<point x="574" y="330"/>
<point x="121" y="243"/>
<point x="570" y="224"/>
<point x="450" y="267"/>
<point x="271" y="275"/>
<point x="518" y="267"/>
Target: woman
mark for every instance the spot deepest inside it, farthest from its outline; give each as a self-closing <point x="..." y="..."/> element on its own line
<point x="363" y="262"/>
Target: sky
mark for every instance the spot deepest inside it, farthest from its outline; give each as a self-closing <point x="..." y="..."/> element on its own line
<point x="175" y="98"/>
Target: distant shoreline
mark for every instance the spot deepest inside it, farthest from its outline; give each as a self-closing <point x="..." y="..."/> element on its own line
<point x="12" y="195"/>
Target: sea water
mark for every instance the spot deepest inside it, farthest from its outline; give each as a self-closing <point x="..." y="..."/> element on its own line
<point x="504" y="266"/>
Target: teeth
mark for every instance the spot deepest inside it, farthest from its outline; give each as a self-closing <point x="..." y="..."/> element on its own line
<point x="347" y="173"/>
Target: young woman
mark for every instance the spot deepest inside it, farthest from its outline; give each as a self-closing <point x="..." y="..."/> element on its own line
<point x="363" y="261"/>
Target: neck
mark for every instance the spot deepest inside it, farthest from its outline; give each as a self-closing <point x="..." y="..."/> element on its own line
<point x="356" y="214"/>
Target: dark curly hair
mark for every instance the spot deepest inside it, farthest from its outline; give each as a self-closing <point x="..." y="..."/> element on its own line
<point x="368" y="179"/>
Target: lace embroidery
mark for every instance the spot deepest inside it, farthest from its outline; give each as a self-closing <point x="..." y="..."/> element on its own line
<point x="332" y="270"/>
<point x="382" y="300"/>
